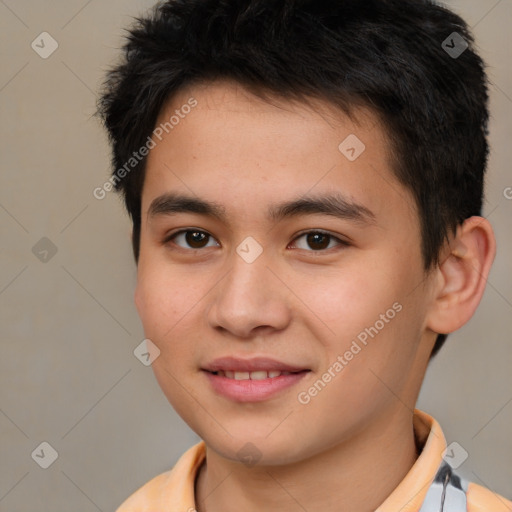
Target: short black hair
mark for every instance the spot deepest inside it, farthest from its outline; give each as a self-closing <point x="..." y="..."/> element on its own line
<point x="411" y="62"/>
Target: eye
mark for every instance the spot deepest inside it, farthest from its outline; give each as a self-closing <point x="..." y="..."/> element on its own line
<point x="192" y="239"/>
<point x="317" y="241"/>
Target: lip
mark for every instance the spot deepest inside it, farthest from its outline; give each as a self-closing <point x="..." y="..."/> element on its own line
<point x="252" y="390"/>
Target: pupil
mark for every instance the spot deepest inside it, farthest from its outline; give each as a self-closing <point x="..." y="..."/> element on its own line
<point x="195" y="239"/>
<point x="318" y="240"/>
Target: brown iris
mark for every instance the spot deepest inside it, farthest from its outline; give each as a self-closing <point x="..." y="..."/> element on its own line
<point x="196" y="239"/>
<point x="317" y="241"/>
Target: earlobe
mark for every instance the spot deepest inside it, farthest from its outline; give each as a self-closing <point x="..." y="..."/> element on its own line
<point x="462" y="276"/>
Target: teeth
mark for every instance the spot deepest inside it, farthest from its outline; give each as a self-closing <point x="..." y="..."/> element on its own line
<point x="259" y="375"/>
<point x="256" y="375"/>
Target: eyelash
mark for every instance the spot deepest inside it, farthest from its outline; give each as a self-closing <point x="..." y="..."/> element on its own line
<point x="331" y="237"/>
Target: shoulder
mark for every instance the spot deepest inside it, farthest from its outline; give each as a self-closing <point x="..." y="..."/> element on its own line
<point x="145" y="498"/>
<point x="174" y="488"/>
<point x="481" y="499"/>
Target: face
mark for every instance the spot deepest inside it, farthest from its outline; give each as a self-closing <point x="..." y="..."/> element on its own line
<point x="280" y="274"/>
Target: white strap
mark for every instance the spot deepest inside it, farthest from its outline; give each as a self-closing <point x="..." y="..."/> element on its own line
<point x="447" y="492"/>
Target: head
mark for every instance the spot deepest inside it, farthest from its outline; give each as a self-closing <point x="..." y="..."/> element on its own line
<point x="267" y="119"/>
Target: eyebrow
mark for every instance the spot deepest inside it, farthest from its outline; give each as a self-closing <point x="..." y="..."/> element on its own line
<point x="335" y="205"/>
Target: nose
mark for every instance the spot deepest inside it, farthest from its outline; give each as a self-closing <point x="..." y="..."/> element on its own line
<point x="250" y="300"/>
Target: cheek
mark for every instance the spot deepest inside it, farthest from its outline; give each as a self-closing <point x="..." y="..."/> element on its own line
<point x="159" y="301"/>
<point x="160" y="294"/>
<point x="346" y="301"/>
<point x="370" y="302"/>
<point x="168" y="302"/>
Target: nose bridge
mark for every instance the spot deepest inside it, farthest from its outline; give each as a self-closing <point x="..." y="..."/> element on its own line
<point x="248" y="297"/>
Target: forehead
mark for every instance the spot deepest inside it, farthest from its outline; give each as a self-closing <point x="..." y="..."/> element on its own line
<point x="231" y="146"/>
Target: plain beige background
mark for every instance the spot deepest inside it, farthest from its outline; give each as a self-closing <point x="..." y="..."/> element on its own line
<point x="69" y="327"/>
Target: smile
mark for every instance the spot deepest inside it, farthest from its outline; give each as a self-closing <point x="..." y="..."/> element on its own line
<point x="256" y="375"/>
<point x="251" y="380"/>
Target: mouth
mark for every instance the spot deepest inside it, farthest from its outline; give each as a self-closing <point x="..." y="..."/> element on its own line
<point x="252" y="380"/>
<point x="256" y="375"/>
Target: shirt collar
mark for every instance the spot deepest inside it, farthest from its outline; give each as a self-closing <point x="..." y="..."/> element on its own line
<point x="176" y="487"/>
<point x="411" y="491"/>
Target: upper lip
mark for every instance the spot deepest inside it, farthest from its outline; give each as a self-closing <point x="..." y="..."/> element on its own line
<point x="254" y="364"/>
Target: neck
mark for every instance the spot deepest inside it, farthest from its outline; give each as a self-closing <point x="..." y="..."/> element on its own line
<point x="356" y="475"/>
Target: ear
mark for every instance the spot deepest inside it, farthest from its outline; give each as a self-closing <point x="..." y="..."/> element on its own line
<point x="462" y="276"/>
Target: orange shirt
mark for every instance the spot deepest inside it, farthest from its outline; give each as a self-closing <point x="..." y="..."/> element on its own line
<point x="173" y="491"/>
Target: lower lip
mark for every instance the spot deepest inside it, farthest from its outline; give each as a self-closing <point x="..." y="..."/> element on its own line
<point x="252" y="390"/>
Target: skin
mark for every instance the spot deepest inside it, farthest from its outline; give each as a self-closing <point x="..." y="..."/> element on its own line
<point x="350" y="446"/>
